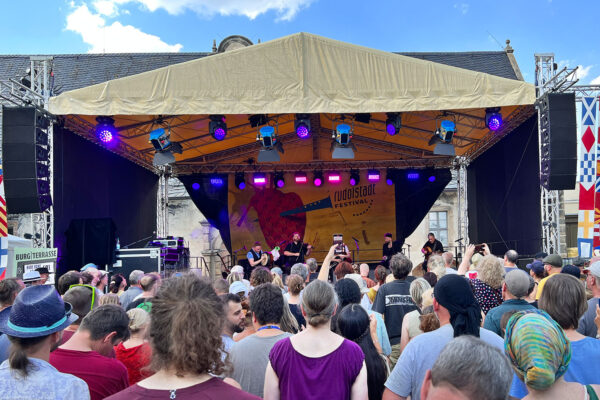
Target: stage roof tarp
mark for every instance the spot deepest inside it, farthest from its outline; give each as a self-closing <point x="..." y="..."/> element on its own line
<point x="301" y="73"/>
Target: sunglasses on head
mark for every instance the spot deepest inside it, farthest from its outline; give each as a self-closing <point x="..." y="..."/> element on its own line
<point x="87" y="286"/>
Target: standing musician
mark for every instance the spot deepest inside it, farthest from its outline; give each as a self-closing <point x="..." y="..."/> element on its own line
<point x="431" y="246"/>
<point x="296" y="250"/>
<point x="390" y="247"/>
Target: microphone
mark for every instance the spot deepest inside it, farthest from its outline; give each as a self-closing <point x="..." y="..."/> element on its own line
<point x="458" y="240"/>
<point x="355" y="239"/>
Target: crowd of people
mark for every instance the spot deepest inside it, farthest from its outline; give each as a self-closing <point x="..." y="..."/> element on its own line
<point x="483" y="329"/>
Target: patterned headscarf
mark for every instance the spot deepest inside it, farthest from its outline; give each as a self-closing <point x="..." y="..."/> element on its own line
<point x="537" y="347"/>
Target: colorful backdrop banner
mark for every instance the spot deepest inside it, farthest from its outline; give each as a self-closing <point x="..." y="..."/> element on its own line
<point x="3" y="229"/>
<point x="271" y="215"/>
<point x="587" y="178"/>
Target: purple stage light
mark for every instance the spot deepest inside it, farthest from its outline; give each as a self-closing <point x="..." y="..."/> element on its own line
<point x="280" y="183"/>
<point x="220" y="133"/>
<point x="432" y="178"/>
<point x="391" y="129"/>
<point x="495" y="122"/>
<point x="105" y="135"/>
<point x="412" y="176"/>
<point x="242" y="185"/>
<point x="373" y="176"/>
<point x="318" y="181"/>
<point x="302" y="131"/>
<point x="389" y="181"/>
<point x="259" y="179"/>
<point x="196" y="186"/>
<point x="216" y="181"/>
<point x="352" y="182"/>
<point x="334" y="178"/>
<point x="300" y="177"/>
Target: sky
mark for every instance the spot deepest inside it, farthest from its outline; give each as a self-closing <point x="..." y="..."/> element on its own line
<point x="567" y="28"/>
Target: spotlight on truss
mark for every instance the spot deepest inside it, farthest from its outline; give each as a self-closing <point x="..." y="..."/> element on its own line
<point x="271" y="146"/>
<point x="341" y="145"/>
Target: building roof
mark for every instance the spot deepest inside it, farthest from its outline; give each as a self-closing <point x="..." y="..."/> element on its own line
<point x="74" y="71"/>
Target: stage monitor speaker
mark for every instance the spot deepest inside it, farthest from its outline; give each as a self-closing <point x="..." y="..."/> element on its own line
<point x="26" y="155"/>
<point x="559" y="141"/>
<point x="91" y="240"/>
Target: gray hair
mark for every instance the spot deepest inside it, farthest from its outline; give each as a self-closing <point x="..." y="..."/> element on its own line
<point x="512" y="256"/>
<point x="473" y="367"/>
<point x="400" y="266"/>
<point x="300" y="269"/>
<point x="417" y="288"/>
<point x="312" y="264"/>
<point x="447" y="257"/>
<point x="135" y="276"/>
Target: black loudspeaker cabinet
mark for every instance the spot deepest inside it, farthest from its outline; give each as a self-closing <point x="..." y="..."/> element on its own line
<point x="91" y="240"/>
<point x="559" y="141"/>
<point x="26" y="155"/>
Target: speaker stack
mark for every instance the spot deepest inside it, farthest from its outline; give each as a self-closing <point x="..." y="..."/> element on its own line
<point x="559" y="141"/>
<point x="26" y="155"/>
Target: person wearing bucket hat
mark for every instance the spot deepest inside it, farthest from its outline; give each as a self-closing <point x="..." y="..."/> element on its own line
<point x="553" y="264"/>
<point x="34" y="325"/>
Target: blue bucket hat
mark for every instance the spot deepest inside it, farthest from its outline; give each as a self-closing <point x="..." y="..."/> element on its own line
<point x="37" y="311"/>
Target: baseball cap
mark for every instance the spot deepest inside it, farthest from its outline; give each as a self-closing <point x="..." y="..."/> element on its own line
<point x="571" y="270"/>
<point x="238" y="287"/>
<point x="553" y="259"/>
<point x="537" y="267"/>
<point x="594" y="268"/>
<point x="578" y="262"/>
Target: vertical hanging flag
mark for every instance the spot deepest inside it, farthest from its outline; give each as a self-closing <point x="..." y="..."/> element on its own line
<point x="597" y="201"/>
<point x="587" y="178"/>
<point x="3" y="229"/>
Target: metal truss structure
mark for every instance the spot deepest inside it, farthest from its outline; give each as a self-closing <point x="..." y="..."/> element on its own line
<point x="549" y="79"/>
<point x="162" y="202"/>
<point x="463" y="214"/>
<point x="37" y="94"/>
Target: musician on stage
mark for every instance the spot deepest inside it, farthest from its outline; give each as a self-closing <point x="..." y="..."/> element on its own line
<point x="431" y="246"/>
<point x="296" y="250"/>
<point x="255" y="254"/>
<point x="390" y="247"/>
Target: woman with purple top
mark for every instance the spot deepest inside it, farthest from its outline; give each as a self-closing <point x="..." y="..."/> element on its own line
<point x="316" y="363"/>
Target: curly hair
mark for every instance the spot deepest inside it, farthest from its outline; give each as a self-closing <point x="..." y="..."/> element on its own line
<point x="185" y="327"/>
<point x="295" y="284"/>
<point x="266" y="303"/>
<point x="259" y="276"/>
<point x="436" y="265"/>
<point x="491" y="271"/>
<point x="428" y="320"/>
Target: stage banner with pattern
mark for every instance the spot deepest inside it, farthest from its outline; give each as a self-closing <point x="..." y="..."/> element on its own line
<point x="587" y="177"/>
<point x="270" y="215"/>
<point x="3" y="229"/>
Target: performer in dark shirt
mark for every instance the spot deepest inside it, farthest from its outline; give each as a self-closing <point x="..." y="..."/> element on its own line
<point x="296" y="250"/>
<point x="431" y="246"/>
<point x="390" y="247"/>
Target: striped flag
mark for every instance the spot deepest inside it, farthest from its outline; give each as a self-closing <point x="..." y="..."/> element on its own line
<point x="3" y="229"/>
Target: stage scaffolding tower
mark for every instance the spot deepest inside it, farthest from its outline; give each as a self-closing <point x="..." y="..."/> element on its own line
<point x="549" y="79"/>
<point x="37" y="94"/>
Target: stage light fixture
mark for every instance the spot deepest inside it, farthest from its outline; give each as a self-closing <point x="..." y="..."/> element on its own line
<point x="259" y="179"/>
<point x="364" y="118"/>
<point x="196" y="186"/>
<point x="341" y="146"/>
<point x="279" y="179"/>
<point x="240" y="180"/>
<point x="216" y="181"/>
<point x="442" y="139"/>
<point x="105" y="129"/>
<point x="431" y="178"/>
<point x="389" y="177"/>
<point x="300" y="177"/>
<point x="373" y="175"/>
<point x="393" y="123"/>
<point x="217" y="127"/>
<point x="412" y="176"/>
<point x="493" y="118"/>
<point x="257" y="120"/>
<point x="302" y="126"/>
<point x="354" y="177"/>
<point x="271" y="146"/>
<point x="318" y="178"/>
<point x="160" y="139"/>
<point x="334" y="177"/>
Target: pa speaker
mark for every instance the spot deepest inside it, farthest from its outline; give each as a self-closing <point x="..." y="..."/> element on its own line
<point x="559" y="141"/>
<point x="26" y="160"/>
